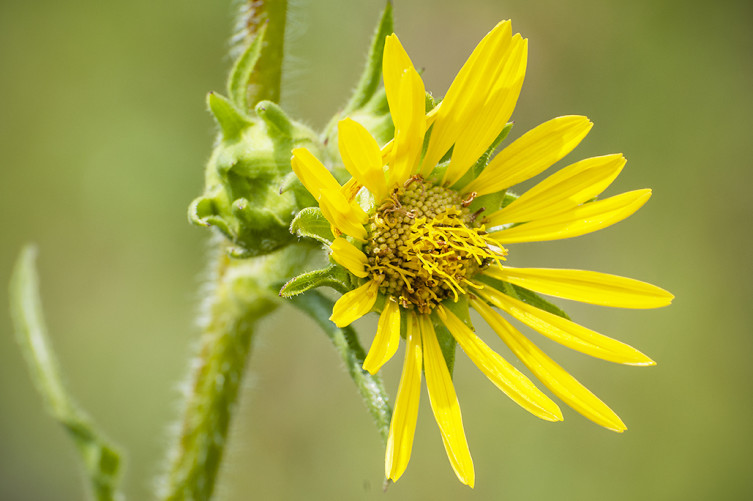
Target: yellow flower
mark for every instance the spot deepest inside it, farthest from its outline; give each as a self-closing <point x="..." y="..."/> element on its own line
<point x="419" y="246"/>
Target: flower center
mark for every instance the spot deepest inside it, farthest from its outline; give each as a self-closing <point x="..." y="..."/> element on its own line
<point x="424" y="247"/>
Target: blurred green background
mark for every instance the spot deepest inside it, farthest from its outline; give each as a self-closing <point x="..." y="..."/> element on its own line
<point x="103" y="137"/>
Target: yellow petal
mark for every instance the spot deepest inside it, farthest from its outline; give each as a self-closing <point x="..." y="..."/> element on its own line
<point x="584" y="219"/>
<point x="492" y="117"/>
<point x="395" y="61"/>
<point x="348" y="255"/>
<point x="342" y="213"/>
<point x="585" y="286"/>
<point x="355" y="304"/>
<point x="531" y="154"/>
<point x="387" y="338"/>
<point x="350" y="189"/>
<point x="466" y="95"/>
<point x="566" y="332"/>
<point x="361" y="156"/>
<point x="500" y="372"/>
<point x="346" y="216"/>
<point x="562" y="191"/>
<point x="444" y="404"/>
<point x="403" y="424"/>
<point x="410" y="124"/>
<point x="312" y="173"/>
<point x="406" y="97"/>
<point x="549" y="372"/>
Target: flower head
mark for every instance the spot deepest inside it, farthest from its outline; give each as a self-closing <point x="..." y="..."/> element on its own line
<point x="423" y="224"/>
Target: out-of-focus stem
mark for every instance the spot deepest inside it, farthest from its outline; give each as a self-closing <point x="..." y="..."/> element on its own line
<point x="99" y="457"/>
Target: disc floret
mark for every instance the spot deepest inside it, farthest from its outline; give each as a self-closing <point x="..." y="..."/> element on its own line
<point x="424" y="246"/>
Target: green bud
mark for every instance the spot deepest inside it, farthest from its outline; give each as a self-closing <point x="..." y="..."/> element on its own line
<point x="249" y="194"/>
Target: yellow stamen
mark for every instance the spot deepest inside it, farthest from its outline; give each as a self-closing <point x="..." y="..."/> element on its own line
<point x="422" y="241"/>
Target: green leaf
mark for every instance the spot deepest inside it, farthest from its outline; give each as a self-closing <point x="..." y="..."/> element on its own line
<point x="372" y="73"/>
<point x="240" y="76"/>
<point x="311" y="223"/>
<point x="525" y="295"/>
<point x="100" y="459"/>
<point x="352" y="354"/>
<point x="230" y="119"/>
<point x="333" y="276"/>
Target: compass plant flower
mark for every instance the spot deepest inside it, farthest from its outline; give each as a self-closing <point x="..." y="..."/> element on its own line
<point x="423" y="225"/>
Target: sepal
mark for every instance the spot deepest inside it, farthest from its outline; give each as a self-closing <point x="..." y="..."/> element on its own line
<point x="368" y="104"/>
<point x="525" y="295"/>
<point x="372" y="73"/>
<point x="482" y="162"/>
<point x="460" y="308"/>
<point x="532" y="298"/>
<point x="311" y="223"/>
<point x="333" y="276"/>
<point x="492" y="202"/>
<point x="447" y="343"/>
<point x="446" y="340"/>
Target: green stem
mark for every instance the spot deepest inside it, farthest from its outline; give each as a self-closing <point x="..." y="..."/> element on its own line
<point x="244" y="293"/>
<point x="241" y="292"/>
<point x="265" y="82"/>
<point x="352" y="354"/>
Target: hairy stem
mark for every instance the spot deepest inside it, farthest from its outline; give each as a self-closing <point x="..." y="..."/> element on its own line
<point x="241" y="295"/>
<point x="244" y="293"/>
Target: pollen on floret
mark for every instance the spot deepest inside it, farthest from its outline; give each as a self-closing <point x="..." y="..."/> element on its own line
<point x="424" y="246"/>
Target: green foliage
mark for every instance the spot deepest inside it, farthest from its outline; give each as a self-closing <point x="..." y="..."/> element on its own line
<point x="100" y="459"/>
